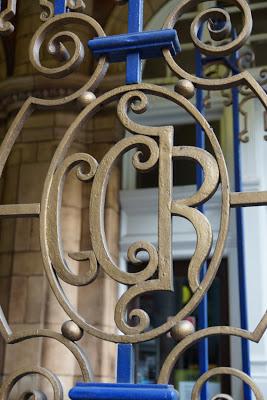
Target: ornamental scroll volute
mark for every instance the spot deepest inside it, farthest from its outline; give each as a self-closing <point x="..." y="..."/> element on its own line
<point x="6" y="14"/>
<point x="154" y="146"/>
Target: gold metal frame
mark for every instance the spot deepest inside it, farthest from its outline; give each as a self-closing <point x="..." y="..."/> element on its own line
<point x="134" y="98"/>
<point x="6" y="27"/>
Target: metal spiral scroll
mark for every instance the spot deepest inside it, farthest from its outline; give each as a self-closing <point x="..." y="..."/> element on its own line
<point x="56" y="48"/>
<point x="153" y="146"/>
<point x="6" y="15"/>
<point x="48" y="8"/>
<point x="12" y="338"/>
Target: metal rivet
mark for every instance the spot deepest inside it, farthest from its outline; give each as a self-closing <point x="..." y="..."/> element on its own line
<point x="86" y="98"/>
<point x="185" y="88"/>
<point x="182" y="329"/>
<point x="71" y="331"/>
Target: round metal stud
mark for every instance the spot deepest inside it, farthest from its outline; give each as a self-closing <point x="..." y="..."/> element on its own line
<point x="185" y="88"/>
<point x="86" y="98"/>
<point x="182" y="329"/>
<point x="71" y="331"/>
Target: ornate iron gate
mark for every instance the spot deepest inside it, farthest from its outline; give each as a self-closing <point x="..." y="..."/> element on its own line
<point x="154" y="146"/>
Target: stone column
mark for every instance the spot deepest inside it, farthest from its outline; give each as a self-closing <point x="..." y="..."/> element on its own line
<point x="25" y="295"/>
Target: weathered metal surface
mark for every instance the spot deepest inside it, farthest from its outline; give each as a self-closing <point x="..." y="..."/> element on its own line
<point x="157" y="275"/>
<point x="6" y="14"/>
<point x="51" y="8"/>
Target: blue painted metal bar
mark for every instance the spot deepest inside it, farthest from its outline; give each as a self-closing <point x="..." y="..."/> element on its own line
<point x="240" y="236"/>
<point x="135" y="16"/>
<point x="203" y="347"/>
<point x="135" y="24"/>
<point x="148" y="44"/>
<point x="124" y="389"/>
<point x="125" y="363"/>
<point x="60" y="7"/>
<point x="133" y="68"/>
<point x="136" y="45"/>
<point x="109" y="391"/>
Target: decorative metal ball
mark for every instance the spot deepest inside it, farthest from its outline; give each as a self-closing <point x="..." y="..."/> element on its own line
<point x="86" y="98"/>
<point x="71" y="331"/>
<point x="182" y="329"/>
<point x="185" y="88"/>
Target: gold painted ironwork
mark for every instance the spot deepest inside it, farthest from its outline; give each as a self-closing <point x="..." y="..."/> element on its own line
<point x="48" y="8"/>
<point x="154" y="145"/>
<point x="6" y="27"/>
<point x="248" y="95"/>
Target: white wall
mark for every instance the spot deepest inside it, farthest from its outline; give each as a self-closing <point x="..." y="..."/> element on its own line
<point x="139" y="221"/>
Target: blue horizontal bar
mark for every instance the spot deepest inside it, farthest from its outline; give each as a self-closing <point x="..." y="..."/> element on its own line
<point x="148" y="44"/>
<point x="98" y="391"/>
<point x="124" y="385"/>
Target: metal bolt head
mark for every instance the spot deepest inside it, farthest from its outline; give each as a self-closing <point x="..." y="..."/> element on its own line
<point x="71" y="331"/>
<point x="86" y="98"/>
<point x="182" y="329"/>
<point x="185" y="88"/>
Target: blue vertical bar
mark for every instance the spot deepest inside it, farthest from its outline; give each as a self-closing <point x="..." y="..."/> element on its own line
<point x="135" y="20"/>
<point x="135" y="24"/>
<point x="240" y="236"/>
<point x="203" y="347"/>
<point x="60" y="7"/>
<point x="125" y="364"/>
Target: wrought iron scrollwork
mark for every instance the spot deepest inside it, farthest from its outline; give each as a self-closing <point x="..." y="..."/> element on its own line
<point x="158" y="260"/>
<point x="154" y="145"/>
<point x="47" y="7"/>
<point x="12" y="338"/>
<point x="6" y="15"/>
<point x="56" y="48"/>
<point x="224" y="49"/>
<point x="218" y="330"/>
